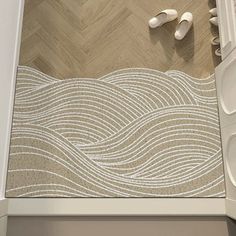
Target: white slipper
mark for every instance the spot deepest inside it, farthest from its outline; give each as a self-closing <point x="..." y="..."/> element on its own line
<point x="214" y="20"/>
<point x="218" y="52"/>
<point x="213" y="11"/>
<point x="215" y="41"/>
<point x="162" y="18"/>
<point x="184" y="25"/>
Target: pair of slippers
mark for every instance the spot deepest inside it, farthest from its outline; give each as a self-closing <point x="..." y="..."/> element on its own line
<point x="216" y="40"/>
<point x="214" y="18"/>
<point x="168" y="15"/>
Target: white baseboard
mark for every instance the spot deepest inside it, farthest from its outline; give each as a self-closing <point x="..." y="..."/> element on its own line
<point x="9" y="48"/>
<point x="116" y="207"/>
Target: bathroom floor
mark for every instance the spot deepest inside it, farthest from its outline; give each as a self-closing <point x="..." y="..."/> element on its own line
<point x="106" y="107"/>
<point x="87" y="38"/>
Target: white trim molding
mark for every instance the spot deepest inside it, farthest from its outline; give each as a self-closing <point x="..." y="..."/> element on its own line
<point x="117" y="207"/>
<point x="227" y="26"/>
<point x="11" y="13"/>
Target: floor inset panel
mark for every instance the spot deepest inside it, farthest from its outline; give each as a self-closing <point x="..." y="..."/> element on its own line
<point x="90" y="38"/>
<point x="131" y="133"/>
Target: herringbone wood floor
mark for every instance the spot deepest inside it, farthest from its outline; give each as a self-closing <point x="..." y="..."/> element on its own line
<point x="89" y="38"/>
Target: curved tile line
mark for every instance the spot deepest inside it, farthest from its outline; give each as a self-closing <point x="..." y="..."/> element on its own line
<point x="181" y="83"/>
<point x="85" y="165"/>
<point x="211" y="185"/>
<point x="167" y="162"/>
<point x="128" y="84"/>
<point x="32" y="103"/>
<point x="106" y="144"/>
<point x="164" y="169"/>
<point x="166" y="152"/>
<point x="147" y="173"/>
<point x="66" y="121"/>
<point x="28" y="118"/>
<point x="52" y="173"/>
<point x="217" y="195"/>
<point x="191" y="174"/>
<point x="95" y="132"/>
<point x="144" y="99"/>
<point x="82" y="101"/>
<point x="194" y="94"/>
<point x="73" y="191"/>
<point x="54" y="193"/>
<point x="37" y="72"/>
<point x="171" y="154"/>
<point x="93" y="108"/>
<point x="157" y="74"/>
<point x="49" y="185"/>
<point x="156" y="100"/>
<point x="56" y="120"/>
<point x="149" y="71"/>
<point x="192" y="195"/>
<point x="130" y="104"/>
<point x="51" y="196"/>
<point x="63" y="149"/>
<point x="164" y="77"/>
<point x="166" y="81"/>
<point x="192" y="79"/>
<point x="91" y="129"/>
<point x="121" y="71"/>
<point x="161" y="113"/>
<point x="101" y="85"/>
<point x="185" y="166"/>
<point x="46" y="156"/>
<point x="35" y="170"/>
<point x="197" y="86"/>
<point x="95" y="102"/>
<point x="89" y="137"/>
<point x="135" y="103"/>
<point x="175" y="172"/>
<point x="62" y="163"/>
<point x="38" y="100"/>
<point x="127" y="154"/>
<point x="137" y="142"/>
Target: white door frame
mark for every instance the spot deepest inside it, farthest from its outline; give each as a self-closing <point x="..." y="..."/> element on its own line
<point x="11" y="12"/>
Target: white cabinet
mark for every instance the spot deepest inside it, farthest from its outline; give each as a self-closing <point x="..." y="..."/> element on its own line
<point x="226" y="90"/>
<point x="227" y="25"/>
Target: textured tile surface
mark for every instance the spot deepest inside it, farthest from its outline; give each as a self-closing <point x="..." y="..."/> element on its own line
<point x="131" y="133"/>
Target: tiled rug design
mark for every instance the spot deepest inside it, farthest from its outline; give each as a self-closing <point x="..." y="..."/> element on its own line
<point x="132" y="133"/>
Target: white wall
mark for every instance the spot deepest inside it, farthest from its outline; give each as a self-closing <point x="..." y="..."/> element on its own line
<point x="10" y="29"/>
